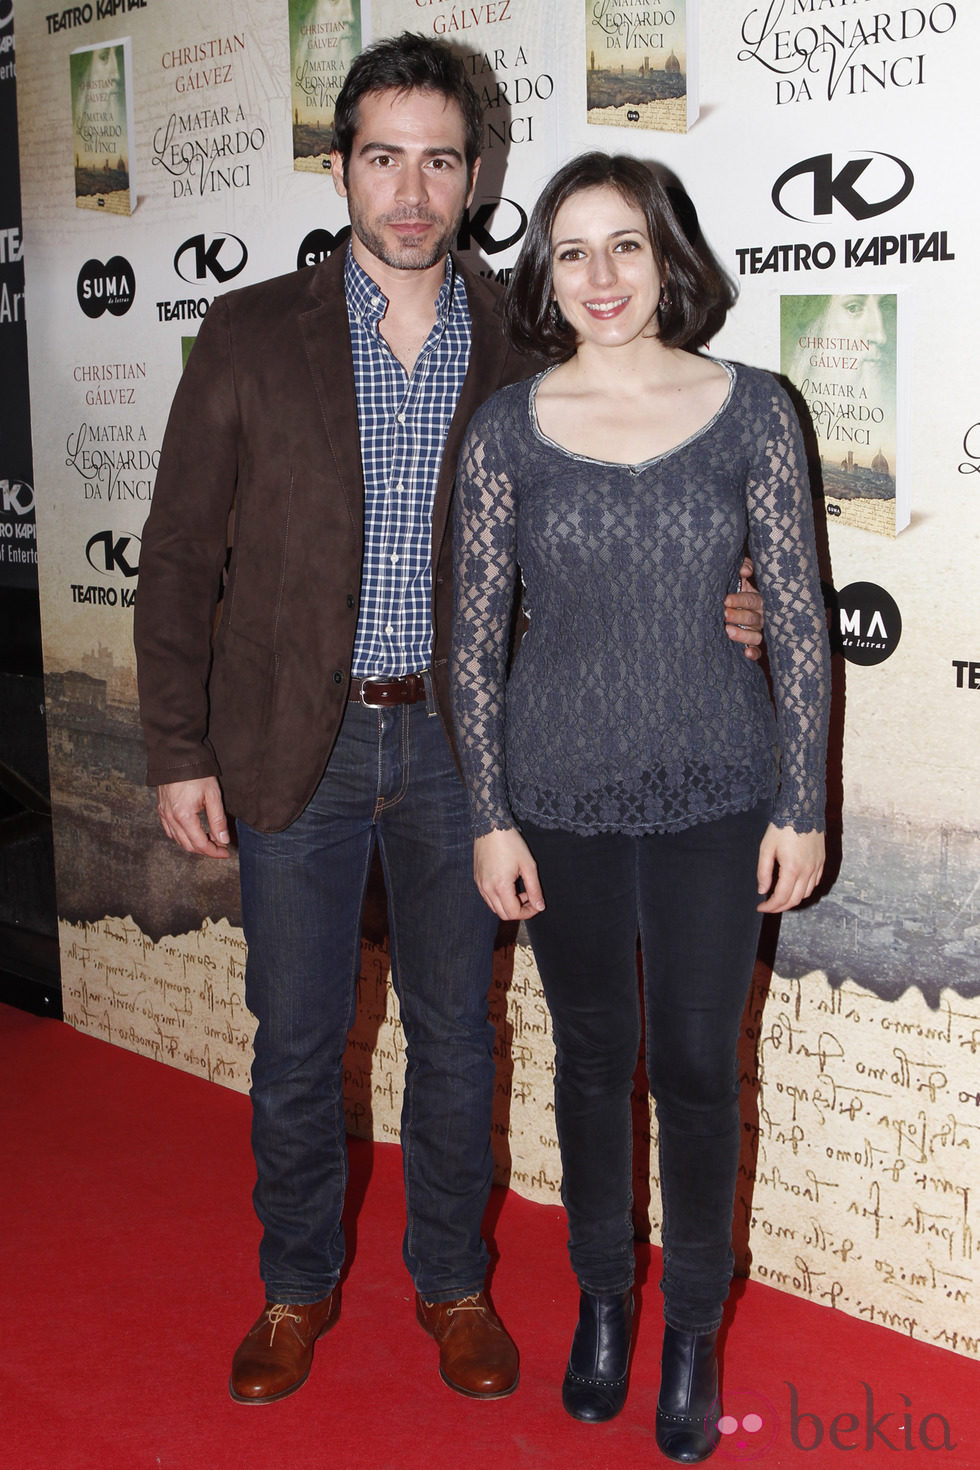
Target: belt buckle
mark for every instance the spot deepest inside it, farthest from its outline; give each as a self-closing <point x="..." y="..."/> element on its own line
<point x="372" y="679"/>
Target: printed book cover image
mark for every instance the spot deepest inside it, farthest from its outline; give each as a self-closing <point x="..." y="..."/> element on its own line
<point x="641" y="65"/>
<point x="102" y="126"/>
<point x="842" y="354"/>
<point x="324" y="38"/>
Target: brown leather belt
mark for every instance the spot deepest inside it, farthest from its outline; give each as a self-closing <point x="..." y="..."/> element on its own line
<point x="379" y="690"/>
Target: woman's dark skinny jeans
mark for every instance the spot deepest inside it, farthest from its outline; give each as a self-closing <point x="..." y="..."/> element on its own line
<point x="692" y="898"/>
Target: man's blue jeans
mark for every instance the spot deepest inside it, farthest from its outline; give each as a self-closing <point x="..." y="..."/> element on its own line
<point x="390" y="779"/>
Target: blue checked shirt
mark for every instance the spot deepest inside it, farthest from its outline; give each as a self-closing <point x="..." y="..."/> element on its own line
<point x="403" y="423"/>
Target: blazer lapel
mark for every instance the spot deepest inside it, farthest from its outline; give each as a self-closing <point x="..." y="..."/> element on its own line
<point x="488" y="353"/>
<point x="326" y="334"/>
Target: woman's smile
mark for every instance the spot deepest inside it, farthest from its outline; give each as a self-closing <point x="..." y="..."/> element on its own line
<point x="607" y="308"/>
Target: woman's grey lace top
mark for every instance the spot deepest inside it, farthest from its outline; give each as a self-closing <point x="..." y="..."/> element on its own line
<point x="628" y="708"/>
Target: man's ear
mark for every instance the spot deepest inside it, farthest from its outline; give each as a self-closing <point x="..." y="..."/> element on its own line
<point x="337" y="171"/>
<point x="474" y="174"/>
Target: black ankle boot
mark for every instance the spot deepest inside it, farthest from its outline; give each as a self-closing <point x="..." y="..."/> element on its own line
<point x="688" y="1410"/>
<point x="595" y="1380"/>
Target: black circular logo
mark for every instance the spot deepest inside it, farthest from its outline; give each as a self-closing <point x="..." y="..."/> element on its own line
<point x="109" y="287"/>
<point x="866" y="625"/>
<point x="318" y="244"/>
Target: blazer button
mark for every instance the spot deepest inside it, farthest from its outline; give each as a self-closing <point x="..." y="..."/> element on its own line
<point x="350" y="599"/>
<point x="338" y="676"/>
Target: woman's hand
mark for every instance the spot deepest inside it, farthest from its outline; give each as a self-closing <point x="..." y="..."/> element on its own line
<point x="499" y="860"/>
<point x="794" y="862"/>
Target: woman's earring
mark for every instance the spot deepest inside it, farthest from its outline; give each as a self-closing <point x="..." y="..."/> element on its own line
<point x="556" y="316"/>
<point x="664" y="301"/>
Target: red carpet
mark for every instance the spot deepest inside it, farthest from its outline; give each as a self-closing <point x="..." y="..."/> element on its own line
<point x="129" y="1253"/>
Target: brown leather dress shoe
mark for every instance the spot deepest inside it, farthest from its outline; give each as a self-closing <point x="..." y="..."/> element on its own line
<point x="274" y="1358"/>
<point x="477" y="1357"/>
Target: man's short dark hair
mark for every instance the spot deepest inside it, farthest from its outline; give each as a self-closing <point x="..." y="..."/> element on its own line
<point x="407" y="63"/>
<point x="696" y="288"/>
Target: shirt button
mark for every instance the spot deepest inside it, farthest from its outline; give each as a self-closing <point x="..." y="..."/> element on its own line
<point x="399" y="488"/>
<point x="389" y="629"/>
<point x="400" y="417"/>
<point x="394" y="557"/>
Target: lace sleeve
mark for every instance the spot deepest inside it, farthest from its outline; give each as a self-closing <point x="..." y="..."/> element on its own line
<point x="781" y="540"/>
<point x="485" y="570"/>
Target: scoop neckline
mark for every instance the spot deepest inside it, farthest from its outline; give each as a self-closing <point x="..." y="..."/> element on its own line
<point x="620" y="464"/>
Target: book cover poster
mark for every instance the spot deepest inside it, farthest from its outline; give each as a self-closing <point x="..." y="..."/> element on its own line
<point x="641" y="65"/>
<point x="324" y="38"/>
<point x="841" y="353"/>
<point x="102" y="126"/>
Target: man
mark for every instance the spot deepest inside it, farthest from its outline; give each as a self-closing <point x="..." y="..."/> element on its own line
<point x="325" y="410"/>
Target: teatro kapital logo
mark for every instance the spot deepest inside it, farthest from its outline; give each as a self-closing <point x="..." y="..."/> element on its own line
<point x="221" y="256"/>
<point x="16" y="497"/>
<point x="112" y="555"/>
<point x="868" y="184"/>
<point x="495" y="225"/>
<point x="106" y="287"/>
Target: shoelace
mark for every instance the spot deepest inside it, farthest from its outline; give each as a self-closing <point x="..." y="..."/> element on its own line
<point x="276" y="1315"/>
<point x="466" y="1304"/>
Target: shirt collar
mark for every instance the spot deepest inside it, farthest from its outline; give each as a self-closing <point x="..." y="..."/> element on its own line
<point x="367" y="301"/>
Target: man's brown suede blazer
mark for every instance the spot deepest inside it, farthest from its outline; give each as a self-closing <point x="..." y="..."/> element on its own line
<point x="263" y="436"/>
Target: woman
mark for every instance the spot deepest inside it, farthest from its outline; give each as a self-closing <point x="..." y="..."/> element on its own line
<point x="627" y="775"/>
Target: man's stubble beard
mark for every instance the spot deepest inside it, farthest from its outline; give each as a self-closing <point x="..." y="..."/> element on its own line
<point x="412" y="256"/>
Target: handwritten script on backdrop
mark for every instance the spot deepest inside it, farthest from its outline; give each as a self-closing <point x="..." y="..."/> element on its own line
<point x="859" y="1179"/>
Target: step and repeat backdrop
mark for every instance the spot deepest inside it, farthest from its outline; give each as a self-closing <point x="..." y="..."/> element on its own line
<point x="169" y="154"/>
<point x="18" y="550"/>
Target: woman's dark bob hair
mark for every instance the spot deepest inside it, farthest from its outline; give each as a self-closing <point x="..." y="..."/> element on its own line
<point x="697" y="291"/>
